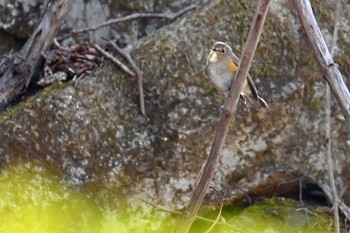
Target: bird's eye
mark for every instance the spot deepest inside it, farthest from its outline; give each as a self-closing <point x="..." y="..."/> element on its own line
<point x="223" y="51"/>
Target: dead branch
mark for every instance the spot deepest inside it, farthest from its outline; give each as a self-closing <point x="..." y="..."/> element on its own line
<point x="344" y="208"/>
<point x="229" y="109"/>
<point x="139" y="74"/>
<point x="170" y="17"/>
<point x="332" y="76"/>
<point x="24" y="65"/>
<point x="330" y="70"/>
<point x="121" y="65"/>
<point x="330" y="161"/>
<point x="114" y="60"/>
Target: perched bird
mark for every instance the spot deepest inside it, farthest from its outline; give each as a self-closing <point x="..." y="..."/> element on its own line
<point x="221" y="67"/>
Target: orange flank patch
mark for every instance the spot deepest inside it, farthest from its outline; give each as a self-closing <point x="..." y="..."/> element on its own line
<point x="233" y="67"/>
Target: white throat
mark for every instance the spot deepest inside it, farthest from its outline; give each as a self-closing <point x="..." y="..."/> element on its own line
<point x="213" y="57"/>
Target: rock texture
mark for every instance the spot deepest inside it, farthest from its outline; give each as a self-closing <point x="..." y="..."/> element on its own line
<point x="93" y="130"/>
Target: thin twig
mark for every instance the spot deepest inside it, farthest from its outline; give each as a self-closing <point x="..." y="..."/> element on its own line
<point x="245" y="194"/>
<point x="167" y="16"/>
<point x="160" y="208"/>
<point x="301" y="191"/>
<point x="221" y="199"/>
<point x="56" y="44"/>
<point x="312" y="213"/>
<point x="139" y="74"/>
<point x="228" y="111"/>
<point x="113" y="59"/>
<point x="327" y="190"/>
<point x="330" y="164"/>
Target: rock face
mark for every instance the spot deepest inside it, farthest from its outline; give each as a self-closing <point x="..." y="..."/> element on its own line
<point x="19" y="18"/>
<point x="93" y="130"/>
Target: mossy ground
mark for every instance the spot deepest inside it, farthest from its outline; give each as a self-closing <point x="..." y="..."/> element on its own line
<point x="33" y="199"/>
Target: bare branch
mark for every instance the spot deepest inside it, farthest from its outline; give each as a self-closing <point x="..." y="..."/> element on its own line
<point x="330" y="165"/>
<point x="167" y="16"/>
<point x="329" y="68"/>
<point x="114" y="60"/>
<point x="139" y="74"/>
<point x="229" y="108"/>
<point x="336" y="83"/>
<point x="345" y="209"/>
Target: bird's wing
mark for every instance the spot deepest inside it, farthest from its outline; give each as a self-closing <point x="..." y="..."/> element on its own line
<point x="251" y="85"/>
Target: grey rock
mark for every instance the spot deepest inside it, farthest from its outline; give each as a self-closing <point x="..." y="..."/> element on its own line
<point x="94" y="131"/>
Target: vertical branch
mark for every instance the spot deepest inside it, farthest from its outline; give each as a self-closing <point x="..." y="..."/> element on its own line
<point x="330" y="70"/>
<point x="330" y="165"/>
<point x="335" y="82"/>
<point x="187" y="218"/>
<point x="138" y="73"/>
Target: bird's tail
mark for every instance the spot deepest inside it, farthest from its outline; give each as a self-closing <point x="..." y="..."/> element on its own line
<point x="256" y="98"/>
<point x="252" y="101"/>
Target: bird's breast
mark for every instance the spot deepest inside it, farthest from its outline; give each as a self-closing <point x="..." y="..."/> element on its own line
<point x="219" y="76"/>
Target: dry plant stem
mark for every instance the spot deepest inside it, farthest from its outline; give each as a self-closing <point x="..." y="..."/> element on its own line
<point x="167" y="16"/>
<point x="139" y="74"/>
<point x="187" y="218"/>
<point x="330" y="161"/>
<point x="114" y="60"/>
<point x="344" y="208"/>
<point x="335" y="81"/>
<point x="160" y="208"/>
<point x="329" y="68"/>
<point x="217" y="219"/>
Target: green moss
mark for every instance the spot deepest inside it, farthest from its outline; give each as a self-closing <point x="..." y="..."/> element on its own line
<point x="33" y="199"/>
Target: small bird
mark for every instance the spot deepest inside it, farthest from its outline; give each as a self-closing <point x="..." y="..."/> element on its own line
<point x="221" y="66"/>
